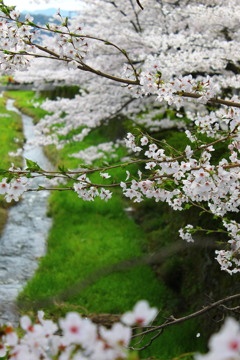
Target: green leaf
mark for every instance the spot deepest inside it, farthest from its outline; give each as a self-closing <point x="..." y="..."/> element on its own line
<point x="32" y="165"/>
<point x="65" y="22"/>
<point x="62" y="169"/>
<point x="84" y="166"/>
<point x="209" y="232"/>
<point x="4" y="9"/>
<point x="10" y="177"/>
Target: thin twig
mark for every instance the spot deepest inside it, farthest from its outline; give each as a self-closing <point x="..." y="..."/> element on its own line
<point x="149" y="343"/>
<point x="139" y="4"/>
<point x="190" y="316"/>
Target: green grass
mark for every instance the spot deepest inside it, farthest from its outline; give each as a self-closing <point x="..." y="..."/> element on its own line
<point x="87" y="243"/>
<point x="11" y="138"/>
<point x="25" y="103"/>
<point x="4" y="80"/>
<point x="85" y="239"/>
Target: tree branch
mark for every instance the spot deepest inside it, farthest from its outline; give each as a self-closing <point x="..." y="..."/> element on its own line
<point x="190" y="316"/>
<point x="212" y="100"/>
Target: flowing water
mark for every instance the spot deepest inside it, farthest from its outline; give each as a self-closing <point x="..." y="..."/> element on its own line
<point x="23" y="241"/>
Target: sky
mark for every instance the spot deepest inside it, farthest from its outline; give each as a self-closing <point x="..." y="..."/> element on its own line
<point x="30" y="5"/>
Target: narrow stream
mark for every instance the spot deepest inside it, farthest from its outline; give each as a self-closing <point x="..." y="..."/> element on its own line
<point x="24" y="238"/>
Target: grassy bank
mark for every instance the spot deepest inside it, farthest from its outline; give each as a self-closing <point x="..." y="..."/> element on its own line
<point x="25" y="101"/>
<point x="11" y="138"/>
<point x="87" y="244"/>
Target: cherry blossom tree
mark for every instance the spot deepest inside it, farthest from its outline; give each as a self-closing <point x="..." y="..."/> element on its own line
<point x="177" y="55"/>
<point x="164" y="61"/>
<point x="160" y="57"/>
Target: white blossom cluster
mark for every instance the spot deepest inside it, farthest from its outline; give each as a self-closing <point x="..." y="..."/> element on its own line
<point x="153" y="83"/>
<point x="92" y="153"/>
<point x="74" y="337"/>
<point x="20" y="38"/>
<point x="79" y="338"/>
<point x="14" y="39"/>
<point x="193" y="181"/>
<point x="214" y="122"/>
<point x="166" y="41"/>
<point x="14" y="189"/>
<point x="87" y="192"/>
<point x="153" y="123"/>
<point x="229" y="259"/>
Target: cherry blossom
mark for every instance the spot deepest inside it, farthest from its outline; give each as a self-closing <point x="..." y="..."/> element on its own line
<point x="224" y="345"/>
<point x="141" y="315"/>
<point x="75" y="337"/>
<point x="14" y="189"/>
